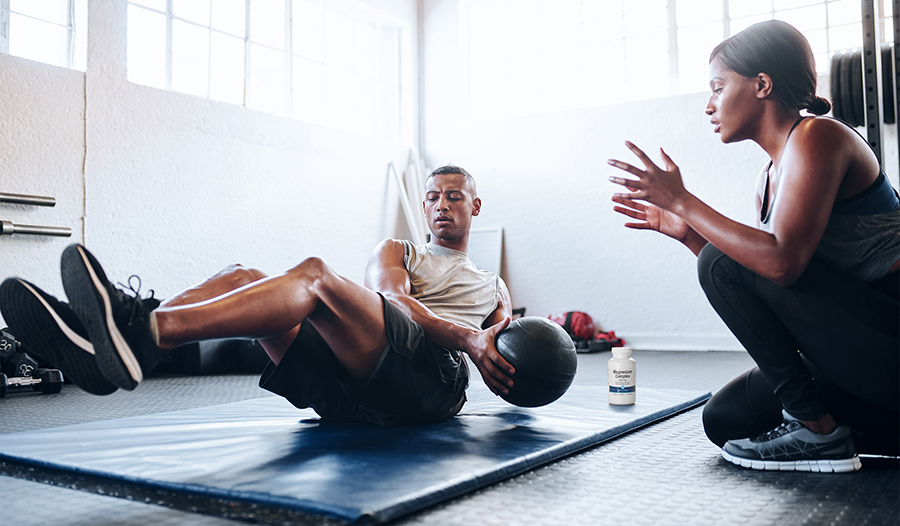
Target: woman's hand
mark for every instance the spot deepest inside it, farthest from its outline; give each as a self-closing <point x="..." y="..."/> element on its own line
<point x="651" y="217"/>
<point x="665" y="193"/>
<point x="654" y="185"/>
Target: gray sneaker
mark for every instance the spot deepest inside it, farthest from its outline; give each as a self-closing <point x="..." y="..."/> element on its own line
<point x="794" y="447"/>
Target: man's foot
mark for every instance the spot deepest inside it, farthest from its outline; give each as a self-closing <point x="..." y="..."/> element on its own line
<point x="794" y="447"/>
<point x="50" y="330"/>
<point x="118" y="324"/>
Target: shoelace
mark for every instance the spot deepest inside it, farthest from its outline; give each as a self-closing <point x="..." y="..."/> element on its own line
<point x="783" y="429"/>
<point x="135" y="300"/>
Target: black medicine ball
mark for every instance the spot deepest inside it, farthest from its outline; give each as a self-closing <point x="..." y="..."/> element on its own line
<point x="544" y="358"/>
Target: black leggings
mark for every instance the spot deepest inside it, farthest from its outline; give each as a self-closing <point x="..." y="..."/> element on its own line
<point x="826" y="344"/>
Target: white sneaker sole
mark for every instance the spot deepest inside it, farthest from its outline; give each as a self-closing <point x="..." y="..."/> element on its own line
<point x="814" y="466"/>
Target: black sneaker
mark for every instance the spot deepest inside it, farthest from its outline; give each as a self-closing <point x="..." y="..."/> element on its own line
<point x="118" y="323"/>
<point x="50" y="330"/>
<point x="794" y="447"/>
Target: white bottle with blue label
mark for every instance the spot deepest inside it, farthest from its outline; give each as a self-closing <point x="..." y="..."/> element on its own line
<point x="622" y="377"/>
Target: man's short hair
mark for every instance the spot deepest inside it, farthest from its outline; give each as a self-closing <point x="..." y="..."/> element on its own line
<point x="451" y="169"/>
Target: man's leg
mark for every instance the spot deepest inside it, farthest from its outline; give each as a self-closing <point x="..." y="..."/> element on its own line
<point x="226" y="280"/>
<point x="348" y="316"/>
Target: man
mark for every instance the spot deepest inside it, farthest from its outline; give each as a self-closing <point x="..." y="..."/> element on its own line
<point x="386" y="353"/>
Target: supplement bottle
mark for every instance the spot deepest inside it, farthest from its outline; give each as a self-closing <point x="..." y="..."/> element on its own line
<point x="622" y="377"/>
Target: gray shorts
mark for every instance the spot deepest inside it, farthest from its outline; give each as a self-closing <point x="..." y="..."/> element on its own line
<point x="414" y="381"/>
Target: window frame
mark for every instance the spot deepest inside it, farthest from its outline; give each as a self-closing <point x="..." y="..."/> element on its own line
<point x="72" y="35"/>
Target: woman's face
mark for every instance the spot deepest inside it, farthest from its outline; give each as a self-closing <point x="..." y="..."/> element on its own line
<point x="733" y="106"/>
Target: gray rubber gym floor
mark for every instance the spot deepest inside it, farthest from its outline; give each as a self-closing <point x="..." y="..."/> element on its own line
<point x="664" y="474"/>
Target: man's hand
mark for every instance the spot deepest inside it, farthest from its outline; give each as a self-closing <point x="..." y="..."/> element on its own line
<point x="481" y="347"/>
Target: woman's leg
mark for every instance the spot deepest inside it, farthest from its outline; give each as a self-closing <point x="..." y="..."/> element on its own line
<point x="847" y="329"/>
<point x="747" y="407"/>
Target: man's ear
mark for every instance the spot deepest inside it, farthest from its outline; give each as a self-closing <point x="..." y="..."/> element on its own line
<point x="476" y="206"/>
<point x="764" y="85"/>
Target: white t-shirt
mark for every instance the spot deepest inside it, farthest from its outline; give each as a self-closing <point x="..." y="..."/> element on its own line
<point x="449" y="284"/>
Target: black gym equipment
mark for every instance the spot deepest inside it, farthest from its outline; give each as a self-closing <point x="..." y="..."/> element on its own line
<point x="19" y="369"/>
<point x="544" y="358"/>
<point x="848" y="86"/>
<point x="836" y="110"/>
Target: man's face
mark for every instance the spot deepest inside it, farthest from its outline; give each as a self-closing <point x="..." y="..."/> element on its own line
<point x="450" y="204"/>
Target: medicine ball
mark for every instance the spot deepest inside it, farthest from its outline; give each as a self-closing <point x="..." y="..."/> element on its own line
<point x="544" y="358"/>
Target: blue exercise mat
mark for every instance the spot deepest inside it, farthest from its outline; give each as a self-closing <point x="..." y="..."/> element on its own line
<point x="274" y="460"/>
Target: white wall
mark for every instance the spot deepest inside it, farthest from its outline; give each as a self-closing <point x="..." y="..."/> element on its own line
<point x="173" y="187"/>
<point x="544" y="180"/>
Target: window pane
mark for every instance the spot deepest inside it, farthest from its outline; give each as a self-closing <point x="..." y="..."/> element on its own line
<point x="226" y="82"/>
<point x="703" y="38"/>
<point x="159" y="5"/>
<point x="389" y="53"/>
<point x="339" y="98"/>
<point x="190" y="42"/>
<point x="743" y="23"/>
<point x="193" y="10"/>
<point x="267" y="22"/>
<point x="266" y="79"/>
<point x="790" y="4"/>
<point x="488" y="30"/>
<point x="309" y="91"/>
<point x="338" y="50"/>
<point x="146" y="47"/>
<point x="693" y="70"/>
<point x="389" y="114"/>
<point x="742" y="8"/>
<point x="229" y="16"/>
<point x="604" y="72"/>
<point x="53" y="11"/>
<point x="364" y="106"/>
<point x="645" y="16"/>
<point x="696" y="12"/>
<point x="308" y="36"/>
<point x="845" y="37"/>
<point x="79" y="58"/>
<point x="602" y="20"/>
<point x="190" y="58"/>
<point x="805" y="18"/>
<point x="37" y="40"/>
<point x="844" y="12"/>
<point x="818" y="40"/>
<point x="647" y="66"/>
<point x="364" y="50"/>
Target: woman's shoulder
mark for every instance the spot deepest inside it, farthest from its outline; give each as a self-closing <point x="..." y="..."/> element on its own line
<point x="828" y="132"/>
<point x="829" y="140"/>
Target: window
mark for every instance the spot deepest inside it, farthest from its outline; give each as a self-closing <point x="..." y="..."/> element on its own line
<point x="49" y="31"/>
<point x="330" y="62"/>
<point x="533" y="56"/>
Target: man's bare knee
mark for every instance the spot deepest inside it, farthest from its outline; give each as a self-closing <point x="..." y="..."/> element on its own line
<point x="315" y="275"/>
<point x="239" y="275"/>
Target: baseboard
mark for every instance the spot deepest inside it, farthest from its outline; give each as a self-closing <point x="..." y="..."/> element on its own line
<point x="682" y="342"/>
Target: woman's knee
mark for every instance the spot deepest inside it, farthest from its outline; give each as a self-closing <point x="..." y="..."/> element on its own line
<point x="745" y="407"/>
<point x="708" y="264"/>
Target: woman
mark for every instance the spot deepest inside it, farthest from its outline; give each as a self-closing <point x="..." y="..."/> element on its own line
<point x="811" y="293"/>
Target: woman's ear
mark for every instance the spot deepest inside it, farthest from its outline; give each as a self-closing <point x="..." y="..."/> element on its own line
<point x="764" y="85"/>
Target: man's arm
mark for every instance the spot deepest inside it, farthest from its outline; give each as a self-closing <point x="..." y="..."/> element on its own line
<point x="387" y="274"/>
